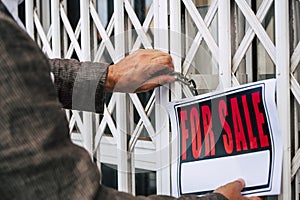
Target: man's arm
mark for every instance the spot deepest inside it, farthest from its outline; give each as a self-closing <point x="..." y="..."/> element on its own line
<point x="79" y="85"/>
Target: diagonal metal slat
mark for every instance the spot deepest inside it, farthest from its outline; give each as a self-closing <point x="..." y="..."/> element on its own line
<point x="249" y="36"/>
<point x="295" y="59"/>
<point x="137" y="25"/>
<point x="102" y="32"/>
<point x="101" y="48"/>
<point x="197" y="40"/>
<point x="295" y="88"/>
<point x="76" y="119"/>
<point x="143" y="116"/>
<point x="107" y="120"/>
<point x="146" y="26"/>
<point x="202" y="28"/>
<point x="49" y="36"/>
<point x="42" y="35"/>
<point x="295" y="164"/>
<point x="71" y="47"/>
<point x="234" y="80"/>
<point x="258" y="28"/>
<point x="139" y="127"/>
<point x="70" y="32"/>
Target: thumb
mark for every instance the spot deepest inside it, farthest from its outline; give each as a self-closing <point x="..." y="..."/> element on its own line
<point x="232" y="190"/>
<point x="240" y="184"/>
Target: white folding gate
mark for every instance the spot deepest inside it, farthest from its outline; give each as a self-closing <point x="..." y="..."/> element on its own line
<point x="218" y="43"/>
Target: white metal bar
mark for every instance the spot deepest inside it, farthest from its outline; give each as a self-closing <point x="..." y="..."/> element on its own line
<point x="55" y="20"/>
<point x="29" y="18"/>
<point x="258" y="29"/>
<point x="46" y="14"/>
<point x="224" y="44"/>
<point x="176" y="38"/>
<point x="124" y="158"/>
<point x="161" y="42"/>
<point x="249" y="54"/>
<point x="283" y="89"/>
<point x="85" y="30"/>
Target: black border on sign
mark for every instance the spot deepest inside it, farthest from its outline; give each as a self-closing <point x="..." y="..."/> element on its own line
<point x="246" y="190"/>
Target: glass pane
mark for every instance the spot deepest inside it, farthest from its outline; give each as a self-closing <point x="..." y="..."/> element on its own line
<point x="145" y="182"/>
<point x="109" y="175"/>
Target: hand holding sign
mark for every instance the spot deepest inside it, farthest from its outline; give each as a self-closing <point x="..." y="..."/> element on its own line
<point x="226" y="135"/>
<point x="233" y="191"/>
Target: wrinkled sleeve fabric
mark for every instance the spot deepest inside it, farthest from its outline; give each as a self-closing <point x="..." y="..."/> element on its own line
<point x="79" y="85"/>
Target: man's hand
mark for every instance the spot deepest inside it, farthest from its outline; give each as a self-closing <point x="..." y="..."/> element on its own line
<point x="140" y="71"/>
<point x="232" y="191"/>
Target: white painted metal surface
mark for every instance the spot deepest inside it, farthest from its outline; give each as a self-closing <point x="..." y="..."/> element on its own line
<point x="224" y="44"/>
<point x="283" y="89"/>
<point x="161" y="42"/>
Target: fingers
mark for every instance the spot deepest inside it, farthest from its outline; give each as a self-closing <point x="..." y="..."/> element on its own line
<point x="232" y="191"/>
<point x="160" y="65"/>
<point x="155" y="82"/>
<point x="164" y="60"/>
<point x="236" y="185"/>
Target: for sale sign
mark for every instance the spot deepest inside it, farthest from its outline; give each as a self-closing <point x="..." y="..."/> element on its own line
<point x="222" y="136"/>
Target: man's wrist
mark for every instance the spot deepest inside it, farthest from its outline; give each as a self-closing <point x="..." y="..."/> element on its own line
<point x="109" y="82"/>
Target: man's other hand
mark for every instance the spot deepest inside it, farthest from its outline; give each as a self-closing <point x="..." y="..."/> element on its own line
<point x="232" y="191"/>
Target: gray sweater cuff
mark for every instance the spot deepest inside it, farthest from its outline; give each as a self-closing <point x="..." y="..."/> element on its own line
<point x="80" y="85"/>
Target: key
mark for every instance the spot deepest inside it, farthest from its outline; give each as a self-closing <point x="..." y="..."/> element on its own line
<point x="190" y="83"/>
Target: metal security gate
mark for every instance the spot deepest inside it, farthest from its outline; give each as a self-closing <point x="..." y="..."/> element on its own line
<point x="218" y="43"/>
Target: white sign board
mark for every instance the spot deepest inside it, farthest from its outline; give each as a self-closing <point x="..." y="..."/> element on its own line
<point x="222" y="136"/>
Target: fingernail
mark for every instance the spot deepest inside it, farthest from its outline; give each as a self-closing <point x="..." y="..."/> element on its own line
<point x="242" y="181"/>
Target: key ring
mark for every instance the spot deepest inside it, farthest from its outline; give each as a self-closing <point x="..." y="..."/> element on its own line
<point x="190" y="83"/>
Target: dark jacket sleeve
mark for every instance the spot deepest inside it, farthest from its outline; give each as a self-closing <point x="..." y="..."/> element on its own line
<point x="111" y="194"/>
<point x="79" y="85"/>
